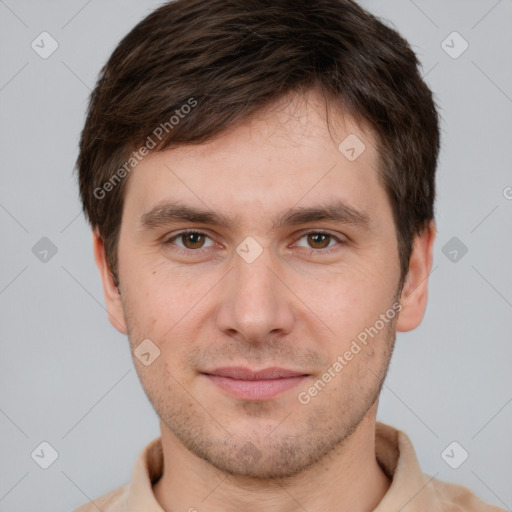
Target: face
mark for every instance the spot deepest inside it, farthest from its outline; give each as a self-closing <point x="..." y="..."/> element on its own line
<point x="266" y="248"/>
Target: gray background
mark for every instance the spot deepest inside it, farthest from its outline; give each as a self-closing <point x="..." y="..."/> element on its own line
<point x="66" y="376"/>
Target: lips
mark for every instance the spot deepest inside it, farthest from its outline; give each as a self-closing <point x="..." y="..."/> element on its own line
<point x="260" y="385"/>
<point x="239" y="373"/>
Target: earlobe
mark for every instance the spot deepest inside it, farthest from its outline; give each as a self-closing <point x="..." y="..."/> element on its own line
<point x="415" y="290"/>
<point x="110" y="290"/>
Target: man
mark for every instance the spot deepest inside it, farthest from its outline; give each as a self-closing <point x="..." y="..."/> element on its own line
<point x="260" y="179"/>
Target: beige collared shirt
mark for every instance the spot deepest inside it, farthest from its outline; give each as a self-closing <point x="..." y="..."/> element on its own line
<point x="410" y="490"/>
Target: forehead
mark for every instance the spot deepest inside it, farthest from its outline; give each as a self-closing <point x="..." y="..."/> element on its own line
<point x="283" y="156"/>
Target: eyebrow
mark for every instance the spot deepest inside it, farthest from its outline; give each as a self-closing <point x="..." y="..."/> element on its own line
<point x="171" y="212"/>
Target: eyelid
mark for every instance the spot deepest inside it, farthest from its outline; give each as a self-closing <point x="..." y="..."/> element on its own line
<point x="319" y="231"/>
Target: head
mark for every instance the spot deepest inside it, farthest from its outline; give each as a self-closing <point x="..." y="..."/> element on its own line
<point x="305" y="127"/>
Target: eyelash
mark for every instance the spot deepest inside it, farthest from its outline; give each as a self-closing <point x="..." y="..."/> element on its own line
<point x="310" y="250"/>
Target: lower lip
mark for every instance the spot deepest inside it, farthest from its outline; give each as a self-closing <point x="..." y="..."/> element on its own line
<point x="256" y="389"/>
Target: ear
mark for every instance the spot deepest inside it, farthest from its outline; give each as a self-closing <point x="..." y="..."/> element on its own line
<point x="110" y="290"/>
<point x="415" y="290"/>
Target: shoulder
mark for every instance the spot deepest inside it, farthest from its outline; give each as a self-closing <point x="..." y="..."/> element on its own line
<point x="110" y="502"/>
<point x="456" y="498"/>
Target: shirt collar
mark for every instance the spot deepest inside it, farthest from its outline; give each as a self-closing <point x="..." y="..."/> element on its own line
<point x="410" y="489"/>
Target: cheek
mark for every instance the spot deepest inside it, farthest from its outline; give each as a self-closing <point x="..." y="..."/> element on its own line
<point x="162" y="302"/>
<point x="351" y="301"/>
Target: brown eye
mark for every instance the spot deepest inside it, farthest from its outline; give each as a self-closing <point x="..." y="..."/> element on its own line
<point x="192" y="240"/>
<point x="319" y="240"/>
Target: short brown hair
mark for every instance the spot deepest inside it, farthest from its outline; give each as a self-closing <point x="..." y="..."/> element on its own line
<point x="233" y="57"/>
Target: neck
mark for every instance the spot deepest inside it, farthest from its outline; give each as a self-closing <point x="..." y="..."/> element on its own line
<point x="346" y="479"/>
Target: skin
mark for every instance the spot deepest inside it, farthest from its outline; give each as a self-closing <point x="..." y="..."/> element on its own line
<point x="294" y="307"/>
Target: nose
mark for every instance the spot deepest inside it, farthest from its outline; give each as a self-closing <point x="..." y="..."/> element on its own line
<point x="256" y="303"/>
